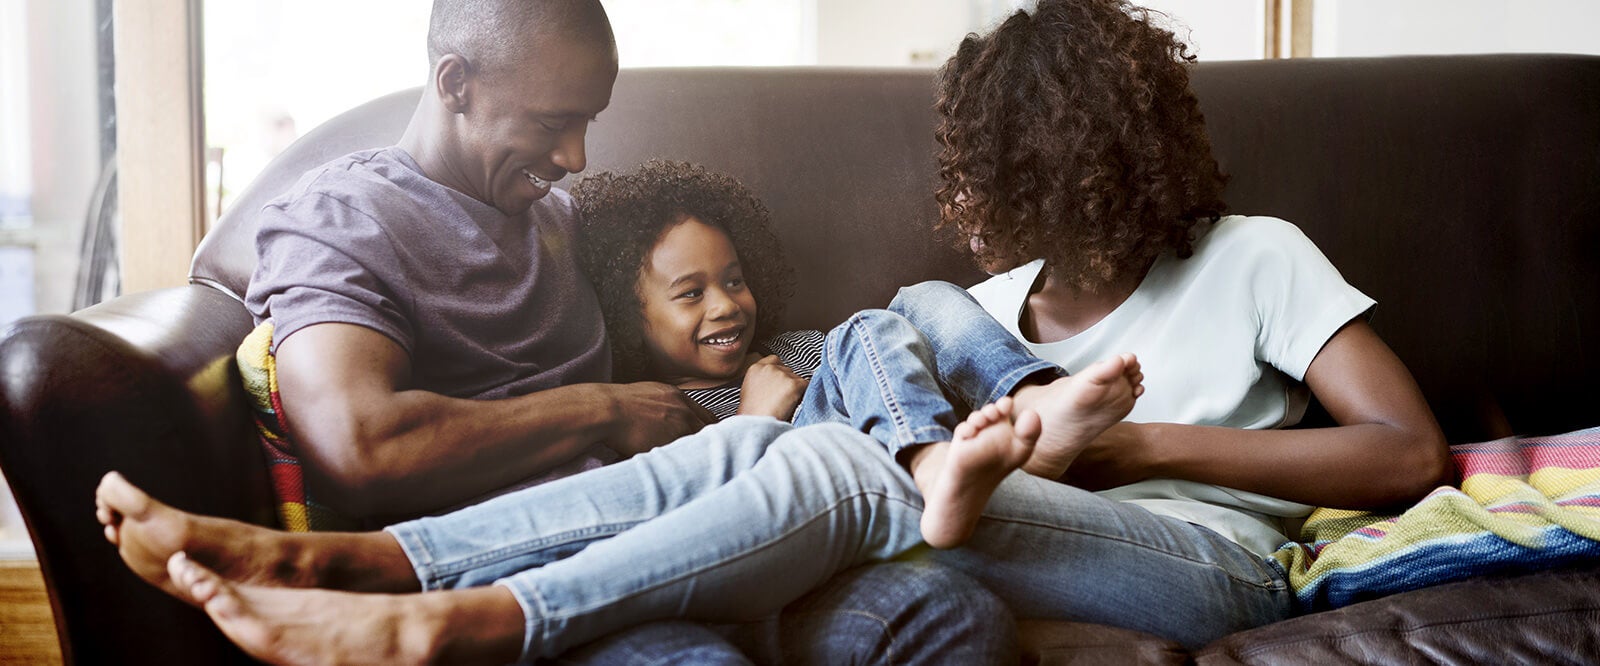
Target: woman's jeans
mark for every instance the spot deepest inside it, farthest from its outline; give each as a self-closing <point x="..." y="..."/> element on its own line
<point x="734" y="522"/>
<point x="901" y="612"/>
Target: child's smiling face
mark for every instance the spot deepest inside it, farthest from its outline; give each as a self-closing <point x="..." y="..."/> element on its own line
<point x="699" y="315"/>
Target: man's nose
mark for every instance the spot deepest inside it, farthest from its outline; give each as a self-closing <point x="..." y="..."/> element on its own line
<point x="569" y="150"/>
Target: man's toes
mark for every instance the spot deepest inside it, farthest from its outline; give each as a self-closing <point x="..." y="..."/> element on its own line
<point x="121" y="496"/>
<point x="192" y="579"/>
<point x="103" y="513"/>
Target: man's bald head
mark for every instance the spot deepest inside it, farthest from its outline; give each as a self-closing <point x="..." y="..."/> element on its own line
<point x="492" y="34"/>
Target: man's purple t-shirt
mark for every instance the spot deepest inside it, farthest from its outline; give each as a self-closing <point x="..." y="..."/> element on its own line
<point x="487" y="306"/>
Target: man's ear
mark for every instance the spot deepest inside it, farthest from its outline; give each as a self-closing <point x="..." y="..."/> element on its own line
<point x="452" y="77"/>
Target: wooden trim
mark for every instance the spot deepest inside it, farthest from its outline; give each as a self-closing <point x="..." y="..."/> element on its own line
<point x="27" y="627"/>
<point x="1272" y="47"/>
<point x="160" y="137"/>
<point x="1300" y="19"/>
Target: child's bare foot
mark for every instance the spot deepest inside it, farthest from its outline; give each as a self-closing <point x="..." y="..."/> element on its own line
<point x="986" y="448"/>
<point x="294" y="626"/>
<point x="1076" y="409"/>
<point x="147" y="533"/>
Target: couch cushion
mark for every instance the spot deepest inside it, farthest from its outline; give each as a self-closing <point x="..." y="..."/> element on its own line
<point x="1542" y="618"/>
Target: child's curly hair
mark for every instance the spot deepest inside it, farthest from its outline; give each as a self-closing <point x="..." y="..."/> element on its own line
<point x="625" y="215"/>
<point x="1071" y="134"/>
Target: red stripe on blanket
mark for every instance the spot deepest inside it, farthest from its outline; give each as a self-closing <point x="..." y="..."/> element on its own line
<point x="1509" y="457"/>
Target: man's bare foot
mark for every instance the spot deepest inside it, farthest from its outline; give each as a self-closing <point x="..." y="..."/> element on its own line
<point x="147" y="533"/>
<point x="1076" y="409"/>
<point x="295" y="626"/>
<point x="986" y="448"/>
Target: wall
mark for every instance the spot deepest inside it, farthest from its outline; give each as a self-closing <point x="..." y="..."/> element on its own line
<point x="64" y="112"/>
<point x="1216" y="29"/>
<point x="1351" y="28"/>
<point x="891" y="32"/>
<point x="51" y="95"/>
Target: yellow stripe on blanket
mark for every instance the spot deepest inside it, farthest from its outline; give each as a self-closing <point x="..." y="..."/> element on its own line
<point x="258" y="367"/>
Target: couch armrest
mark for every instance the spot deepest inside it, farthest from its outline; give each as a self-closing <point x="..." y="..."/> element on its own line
<point x="144" y="384"/>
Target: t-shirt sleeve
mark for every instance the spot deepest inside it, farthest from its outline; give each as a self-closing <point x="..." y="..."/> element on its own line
<point x="323" y="261"/>
<point x="1301" y="300"/>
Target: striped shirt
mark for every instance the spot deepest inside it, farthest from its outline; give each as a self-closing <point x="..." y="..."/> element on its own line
<point x="800" y="350"/>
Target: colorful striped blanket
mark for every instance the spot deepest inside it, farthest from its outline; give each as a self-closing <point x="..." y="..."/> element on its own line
<point x="1525" y="503"/>
<point x="296" y="508"/>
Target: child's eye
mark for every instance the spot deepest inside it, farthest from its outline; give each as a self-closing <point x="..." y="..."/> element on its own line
<point x="736" y="283"/>
<point x="692" y="293"/>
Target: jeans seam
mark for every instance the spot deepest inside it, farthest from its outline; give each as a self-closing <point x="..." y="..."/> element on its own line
<point x="1265" y="585"/>
<point x="884" y="624"/>
<point x="888" y="630"/>
<point x="458" y="566"/>
<point x="891" y="401"/>
<point x="1008" y="383"/>
<point x="534" y="611"/>
<point x="929" y="435"/>
<point x="414" y="544"/>
<point x="747" y="553"/>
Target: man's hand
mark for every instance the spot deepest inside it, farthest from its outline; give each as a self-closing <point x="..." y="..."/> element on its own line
<point x="650" y="414"/>
<point x="771" y="389"/>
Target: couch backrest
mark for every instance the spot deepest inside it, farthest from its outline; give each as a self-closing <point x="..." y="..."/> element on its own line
<point x="1462" y="192"/>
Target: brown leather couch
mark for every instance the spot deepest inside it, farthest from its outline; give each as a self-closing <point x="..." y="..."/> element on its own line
<point x="1463" y="193"/>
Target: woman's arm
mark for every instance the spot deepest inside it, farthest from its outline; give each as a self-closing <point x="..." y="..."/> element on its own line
<point x="1387" y="448"/>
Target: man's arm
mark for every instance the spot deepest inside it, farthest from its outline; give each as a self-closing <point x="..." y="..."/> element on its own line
<point x="376" y="446"/>
<point x="1387" y="449"/>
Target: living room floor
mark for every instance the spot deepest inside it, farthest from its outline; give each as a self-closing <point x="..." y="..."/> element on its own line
<point x="27" y="632"/>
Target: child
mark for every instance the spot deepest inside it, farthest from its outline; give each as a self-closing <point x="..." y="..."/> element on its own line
<point x="692" y="283"/>
<point x="704" y="333"/>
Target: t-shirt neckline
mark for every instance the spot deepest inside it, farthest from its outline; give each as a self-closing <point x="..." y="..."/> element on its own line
<point x="1037" y="269"/>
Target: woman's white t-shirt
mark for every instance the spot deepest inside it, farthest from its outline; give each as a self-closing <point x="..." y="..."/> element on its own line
<point x="1224" y="338"/>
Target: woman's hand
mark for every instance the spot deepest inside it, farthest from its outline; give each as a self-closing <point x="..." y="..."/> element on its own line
<point x="770" y="388"/>
<point x="1386" y="451"/>
<point x="1112" y="459"/>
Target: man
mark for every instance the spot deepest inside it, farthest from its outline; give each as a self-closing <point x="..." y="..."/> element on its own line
<point x="435" y="342"/>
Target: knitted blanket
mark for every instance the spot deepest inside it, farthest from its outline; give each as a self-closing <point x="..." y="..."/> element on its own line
<point x="1524" y="503"/>
<point x="296" y="508"/>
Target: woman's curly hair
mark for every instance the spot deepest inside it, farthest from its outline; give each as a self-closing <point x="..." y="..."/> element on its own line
<point x="625" y="215"/>
<point x="1071" y="134"/>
